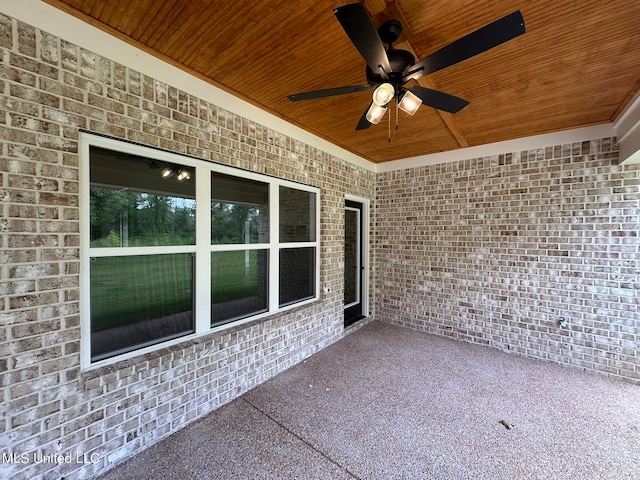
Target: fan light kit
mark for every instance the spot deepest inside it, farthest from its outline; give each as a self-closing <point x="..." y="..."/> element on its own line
<point x="383" y="94"/>
<point x="388" y="70"/>
<point x="375" y="113"/>
<point x="409" y="103"/>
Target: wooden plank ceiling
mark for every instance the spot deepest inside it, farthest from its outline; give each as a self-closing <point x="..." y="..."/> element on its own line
<point x="577" y="65"/>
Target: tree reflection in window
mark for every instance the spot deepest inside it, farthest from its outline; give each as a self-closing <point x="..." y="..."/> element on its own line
<point x="239" y="210"/>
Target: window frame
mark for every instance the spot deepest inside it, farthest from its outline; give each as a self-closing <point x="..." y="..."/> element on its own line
<point x="202" y="249"/>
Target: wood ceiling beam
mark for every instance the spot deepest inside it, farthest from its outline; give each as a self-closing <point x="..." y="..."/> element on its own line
<point x="374" y="7"/>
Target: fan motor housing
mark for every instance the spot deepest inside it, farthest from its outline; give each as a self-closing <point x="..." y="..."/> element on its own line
<point x="399" y="61"/>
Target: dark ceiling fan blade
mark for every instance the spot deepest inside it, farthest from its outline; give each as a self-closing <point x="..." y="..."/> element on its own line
<point x="363" y="34"/>
<point x="328" y="92"/>
<point x="439" y="100"/>
<point x="363" y="123"/>
<point x="483" y="39"/>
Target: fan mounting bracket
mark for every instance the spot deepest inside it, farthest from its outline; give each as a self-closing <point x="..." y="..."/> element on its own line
<point x="390" y="32"/>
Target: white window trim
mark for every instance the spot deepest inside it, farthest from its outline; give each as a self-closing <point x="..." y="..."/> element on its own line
<point x="364" y="288"/>
<point x="202" y="249"/>
<point x="359" y="256"/>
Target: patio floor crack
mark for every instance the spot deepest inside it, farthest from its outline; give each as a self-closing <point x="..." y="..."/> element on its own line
<point x="306" y="442"/>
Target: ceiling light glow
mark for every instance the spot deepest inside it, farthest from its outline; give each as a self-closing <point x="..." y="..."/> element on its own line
<point x="383" y="94"/>
<point x="375" y="113"/>
<point x="183" y="175"/>
<point x="409" y="103"/>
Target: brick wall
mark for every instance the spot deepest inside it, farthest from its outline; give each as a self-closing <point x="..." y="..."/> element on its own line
<point x="49" y="90"/>
<point x="496" y="250"/>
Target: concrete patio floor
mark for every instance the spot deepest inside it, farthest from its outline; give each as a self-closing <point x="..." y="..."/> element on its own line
<point x="391" y="403"/>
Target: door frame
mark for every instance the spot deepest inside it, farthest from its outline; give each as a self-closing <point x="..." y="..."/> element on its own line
<point x="364" y="239"/>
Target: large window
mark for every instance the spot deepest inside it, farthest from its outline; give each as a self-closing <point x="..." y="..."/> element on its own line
<point x="173" y="247"/>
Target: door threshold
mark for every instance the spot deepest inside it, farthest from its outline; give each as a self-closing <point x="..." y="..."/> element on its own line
<point x="352" y="320"/>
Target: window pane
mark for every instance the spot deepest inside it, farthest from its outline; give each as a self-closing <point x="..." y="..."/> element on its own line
<point x="139" y="300"/>
<point x="297" y="274"/>
<point x="239" y="210"/>
<point x="238" y="284"/>
<point x="132" y="204"/>
<point x="297" y="215"/>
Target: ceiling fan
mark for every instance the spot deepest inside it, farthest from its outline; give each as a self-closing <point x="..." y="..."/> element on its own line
<point x="389" y="70"/>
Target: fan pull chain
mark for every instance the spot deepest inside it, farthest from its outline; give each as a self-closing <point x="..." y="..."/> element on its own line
<point x="389" y="130"/>
<point x="397" y="125"/>
<point x="397" y="117"/>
